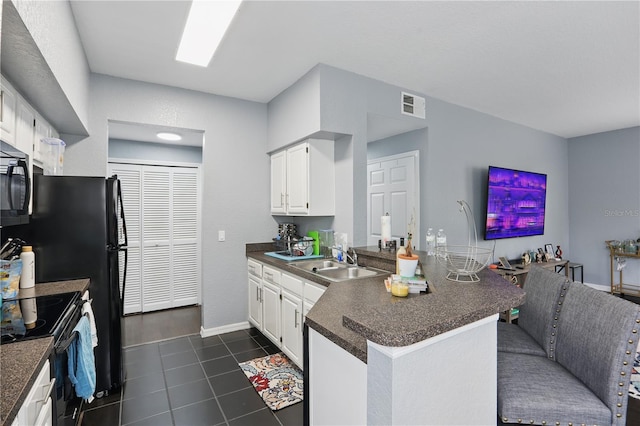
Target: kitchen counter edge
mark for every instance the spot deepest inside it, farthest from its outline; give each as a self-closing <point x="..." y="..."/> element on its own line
<point x="348" y="317"/>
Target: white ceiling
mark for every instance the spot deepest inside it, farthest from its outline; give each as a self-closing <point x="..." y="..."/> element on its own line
<point x="564" y="67"/>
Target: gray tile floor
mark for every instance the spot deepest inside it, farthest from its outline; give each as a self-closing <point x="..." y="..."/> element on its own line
<point x="191" y="381"/>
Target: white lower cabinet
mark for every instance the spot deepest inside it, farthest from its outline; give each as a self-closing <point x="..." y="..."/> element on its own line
<point x="271" y="304"/>
<point x="271" y="312"/>
<point x="292" y="317"/>
<point x="278" y="305"/>
<point x="255" y="301"/>
<point x="37" y="409"/>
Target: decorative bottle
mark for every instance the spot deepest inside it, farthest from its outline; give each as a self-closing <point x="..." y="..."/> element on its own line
<point x="441" y="243"/>
<point x="28" y="275"/>
<point x="558" y="253"/>
<point x="431" y="243"/>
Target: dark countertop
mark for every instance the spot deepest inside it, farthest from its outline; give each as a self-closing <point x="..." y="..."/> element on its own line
<point x="45" y="289"/>
<point x="20" y="362"/>
<point x="352" y="312"/>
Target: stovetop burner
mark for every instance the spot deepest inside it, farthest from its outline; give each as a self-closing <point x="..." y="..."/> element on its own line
<point x="20" y="321"/>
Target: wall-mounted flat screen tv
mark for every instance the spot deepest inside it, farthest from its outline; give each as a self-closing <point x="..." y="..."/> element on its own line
<point x="515" y="203"/>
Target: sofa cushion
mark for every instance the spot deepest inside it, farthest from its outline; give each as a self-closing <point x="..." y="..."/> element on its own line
<point x="512" y="338"/>
<point x="538" y="390"/>
<point x="545" y="291"/>
<point x="597" y="337"/>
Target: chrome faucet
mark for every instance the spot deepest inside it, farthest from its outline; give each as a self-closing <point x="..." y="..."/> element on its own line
<point x="353" y="257"/>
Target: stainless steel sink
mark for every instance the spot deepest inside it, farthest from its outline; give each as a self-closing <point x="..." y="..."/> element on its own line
<point x="336" y="271"/>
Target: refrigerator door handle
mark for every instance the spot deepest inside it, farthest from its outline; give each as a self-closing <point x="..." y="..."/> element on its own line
<point x="123" y="247"/>
<point x="124" y="279"/>
<point x="124" y="222"/>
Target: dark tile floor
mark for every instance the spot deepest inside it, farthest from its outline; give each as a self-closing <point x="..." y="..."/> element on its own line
<point x="191" y="381"/>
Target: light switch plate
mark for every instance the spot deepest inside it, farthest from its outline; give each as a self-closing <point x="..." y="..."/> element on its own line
<point x="221" y="236"/>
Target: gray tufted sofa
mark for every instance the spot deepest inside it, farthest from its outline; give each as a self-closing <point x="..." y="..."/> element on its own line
<point x="568" y="360"/>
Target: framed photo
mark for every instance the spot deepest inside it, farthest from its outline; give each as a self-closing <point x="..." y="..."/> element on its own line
<point x="548" y="248"/>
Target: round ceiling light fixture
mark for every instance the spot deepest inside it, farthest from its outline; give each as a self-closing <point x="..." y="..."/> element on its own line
<point x="168" y="136"/>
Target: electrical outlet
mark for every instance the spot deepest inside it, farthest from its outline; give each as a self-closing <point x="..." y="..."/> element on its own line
<point x="221" y="236"/>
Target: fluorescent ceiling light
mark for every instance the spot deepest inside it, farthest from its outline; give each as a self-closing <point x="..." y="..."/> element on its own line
<point x="206" y="25"/>
<point x="167" y="136"/>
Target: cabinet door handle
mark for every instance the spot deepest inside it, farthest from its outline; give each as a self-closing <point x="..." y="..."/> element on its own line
<point x="295" y="324"/>
<point x="258" y="294"/>
<point x="1" y="106"/>
<point x="282" y="199"/>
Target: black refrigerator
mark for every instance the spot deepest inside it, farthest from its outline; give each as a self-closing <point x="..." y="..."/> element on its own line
<point x="78" y="231"/>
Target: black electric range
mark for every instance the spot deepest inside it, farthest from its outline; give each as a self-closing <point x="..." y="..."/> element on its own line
<point x="35" y="317"/>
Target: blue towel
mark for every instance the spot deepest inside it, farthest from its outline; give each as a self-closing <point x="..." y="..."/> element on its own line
<point x="82" y="364"/>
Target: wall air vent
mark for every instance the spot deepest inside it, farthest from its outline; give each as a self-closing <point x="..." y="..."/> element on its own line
<point x="412" y="105"/>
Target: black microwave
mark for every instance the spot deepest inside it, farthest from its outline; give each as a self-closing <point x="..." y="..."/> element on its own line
<point x="15" y="186"/>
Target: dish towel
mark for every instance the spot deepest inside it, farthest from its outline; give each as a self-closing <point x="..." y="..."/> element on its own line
<point x="88" y="311"/>
<point x="81" y="361"/>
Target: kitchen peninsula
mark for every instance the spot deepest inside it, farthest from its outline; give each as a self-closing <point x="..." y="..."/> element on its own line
<point x="376" y="359"/>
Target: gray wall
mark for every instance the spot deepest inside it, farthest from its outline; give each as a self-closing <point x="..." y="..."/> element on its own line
<point x="235" y="174"/>
<point x="460" y="145"/>
<point x="148" y="151"/>
<point x="604" y="200"/>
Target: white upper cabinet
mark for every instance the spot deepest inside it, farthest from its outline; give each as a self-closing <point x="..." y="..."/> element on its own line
<point x="25" y="129"/>
<point x="279" y="182"/>
<point x="303" y="179"/>
<point x="21" y="125"/>
<point x="8" y="101"/>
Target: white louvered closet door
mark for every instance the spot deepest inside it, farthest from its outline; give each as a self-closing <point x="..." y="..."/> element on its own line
<point x="166" y="265"/>
<point x="157" y="291"/>
<point x="186" y="253"/>
<point x="130" y="180"/>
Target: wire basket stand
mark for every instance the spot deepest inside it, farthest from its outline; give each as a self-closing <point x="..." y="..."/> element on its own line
<point x="464" y="262"/>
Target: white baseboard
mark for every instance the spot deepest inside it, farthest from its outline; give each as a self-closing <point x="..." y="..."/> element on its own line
<point x="599" y="287"/>
<point x="208" y="332"/>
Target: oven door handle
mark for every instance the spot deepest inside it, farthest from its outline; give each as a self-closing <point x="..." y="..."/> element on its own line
<point x="62" y="348"/>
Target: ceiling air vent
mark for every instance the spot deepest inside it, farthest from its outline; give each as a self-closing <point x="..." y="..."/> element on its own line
<point x="412" y="105"/>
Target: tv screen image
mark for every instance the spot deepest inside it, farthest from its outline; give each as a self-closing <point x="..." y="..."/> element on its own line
<point x="515" y="203"/>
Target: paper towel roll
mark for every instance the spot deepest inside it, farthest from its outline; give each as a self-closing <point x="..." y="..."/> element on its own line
<point x="385" y="224"/>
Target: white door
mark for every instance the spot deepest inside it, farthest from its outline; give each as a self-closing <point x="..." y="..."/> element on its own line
<point x="184" y="237"/>
<point x="255" y="301"/>
<point x="130" y="181"/>
<point x="279" y="182"/>
<point x="298" y="179"/>
<point x="291" y="326"/>
<point x="271" y="312"/>
<point x="8" y="102"/>
<point x="162" y="210"/>
<point x="157" y="291"/>
<point x="393" y="186"/>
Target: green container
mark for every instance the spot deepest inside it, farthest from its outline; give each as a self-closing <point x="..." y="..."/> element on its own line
<point x="316" y="241"/>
